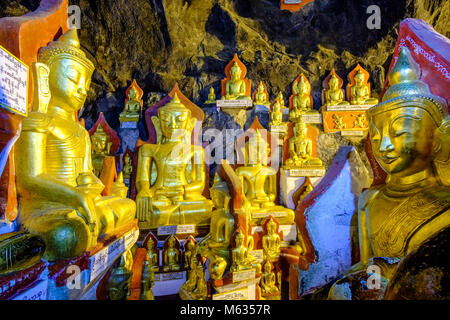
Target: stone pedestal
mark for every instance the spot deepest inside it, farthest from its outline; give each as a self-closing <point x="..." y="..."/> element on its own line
<point x="290" y="184"/>
<point x="236" y="109"/>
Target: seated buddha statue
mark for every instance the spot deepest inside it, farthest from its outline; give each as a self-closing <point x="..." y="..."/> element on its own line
<point x="276" y="115"/>
<point x="334" y="95"/>
<point x="241" y="260"/>
<point x="300" y="148"/>
<point x="215" y="246"/>
<point x="100" y="149"/>
<point x="302" y="100"/>
<point x="58" y="192"/>
<point x="171" y="256"/>
<point x="413" y="205"/>
<point x="268" y="280"/>
<point x="235" y="88"/>
<point x="127" y="167"/>
<point x="211" y="96"/>
<point x="132" y="106"/>
<point x="171" y="174"/>
<point x="360" y="93"/>
<point x="152" y="255"/>
<point x="261" y="97"/>
<point x="271" y="242"/>
<point x="189" y="254"/>
<point x="260" y="185"/>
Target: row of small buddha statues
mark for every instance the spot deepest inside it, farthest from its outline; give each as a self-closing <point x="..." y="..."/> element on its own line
<point x="60" y="196"/>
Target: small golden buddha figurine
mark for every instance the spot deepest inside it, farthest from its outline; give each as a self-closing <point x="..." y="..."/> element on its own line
<point x="211" y="96"/>
<point x="127" y="167"/>
<point x="189" y="254"/>
<point x="152" y="254"/>
<point x="334" y="95"/>
<point x="360" y="92"/>
<point x="300" y="148"/>
<point x="201" y="289"/>
<point x="260" y="182"/>
<point x="58" y="192"/>
<point x="276" y="114"/>
<point x="216" y="245"/>
<point x="302" y="98"/>
<point x="171" y="174"/>
<point x="171" y="255"/>
<point x="241" y="260"/>
<point x="268" y="280"/>
<point x="261" y="96"/>
<point x="271" y="242"/>
<point x="235" y="88"/>
<point x="147" y="282"/>
<point x="133" y="103"/>
<point x="414" y="204"/>
<point x="100" y="149"/>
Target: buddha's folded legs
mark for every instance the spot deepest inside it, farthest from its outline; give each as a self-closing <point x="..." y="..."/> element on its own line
<point x="113" y="212"/>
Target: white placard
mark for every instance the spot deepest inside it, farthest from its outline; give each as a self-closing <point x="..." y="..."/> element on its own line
<point x="98" y="263"/>
<point x="244" y="275"/>
<point x="234" y="103"/>
<point x="362" y="107"/>
<point x="37" y="292"/>
<point x="306" y="172"/>
<point x="257" y="254"/>
<point x="13" y="83"/>
<point x="352" y="133"/>
<point x="312" y="118"/>
<point x="289" y="232"/>
<point x="131" y="238"/>
<point x="179" y="229"/>
<point x="292" y="1"/>
<point x="128" y="125"/>
<point x="168" y="283"/>
<point x="240" y="294"/>
<point x="278" y="128"/>
<point x="275" y="214"/>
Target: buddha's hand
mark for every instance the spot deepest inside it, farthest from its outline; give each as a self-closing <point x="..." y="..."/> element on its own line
<point x="86" y="209"/>
<point x="143" y="202"/>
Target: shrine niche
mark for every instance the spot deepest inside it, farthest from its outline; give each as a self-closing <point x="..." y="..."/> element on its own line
<point x="133" y="106"/>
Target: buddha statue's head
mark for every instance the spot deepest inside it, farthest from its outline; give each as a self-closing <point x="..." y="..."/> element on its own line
<point x="271" y="226"/>
<point x="150" y="245"/>
<point x="70" y="71"/>
<point x="172" y="241"/>
<point x="220" y="195"/>
<point x="303" y="86"/>
<point x="239" y="239"/>
<point x="267" y="267"/>
<point x="280" y="97"/>
<point x="211" y="92"/>
<point x="333" y="83"/>
<point x="235" y="71"/>
<point x="190" y="246"/>
<point x="132" y="94"/>
<point x="100" y="141"/>
<point x="175" y="119"/>
<point x="261" y="88"/>
<point x="126" y="160"/>
<point x="403" y="125"/>
<point x="301" y="130"/>
<point x="360" y="77"/>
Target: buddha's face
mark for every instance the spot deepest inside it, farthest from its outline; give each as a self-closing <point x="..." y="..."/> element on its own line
<point x="302" y="87"/>
<point x="190" y="246"/>
<point x="99" y="142"/>
<point x="267" y="268"/>
<point x="359" y="78"/>
<point x="150" y="244"/>
<point x="261" y="88"/>
<point x="173" y="122"/>
<point x="235" y="71"/>
<point x="132" y="94"/>
<point x="69" y="84"/>
<point x="270" y="227"/>
<point x="301" y="129"/>
<point x="402" y="140"/>
<point x="333" y="83"/>
<point x="171" y="242"/>
<point x="239" y="239"/>
<point x="126" y="160"/>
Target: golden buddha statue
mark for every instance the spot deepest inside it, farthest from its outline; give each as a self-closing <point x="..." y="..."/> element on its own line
<point x="302" y="99"/>
<point x="119" y="188"/>
<point x="171" y="255"/>
<point x="211" y="96"/>
<point x="189" y="254"/>
<point x="152" y="255"/>
<point x="235" y="88"/>
<point x="127" y="167"/>
<point x="260" y="184"/>
<point x="360" y="92"/>
<point x="276" y="115"/>
<point x="133" y="104"/>
<point x="147" y="282"/>
<point x="271" y="242"/>
<point x="216" y="244"/>
<point x="241" y="260"/>
<point x="300" y="148"/>
<point x="334" y="95"/>
<point x="59" y="194"/>
<point x="171" y="174"/>
<point x="261" y="96"/>
<point x="201" y="289"/>
<point x="414" y="204"/>
<point x="268" y="280"/>
<point x="101" y="146"/>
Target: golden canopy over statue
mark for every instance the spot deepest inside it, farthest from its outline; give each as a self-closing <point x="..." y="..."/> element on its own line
<point x="259" y="180"/>
<point x="59" y="193"/>
<point x="358" y="90"/>
<point x="276" y="114"/>
<point x="171" y="174"/>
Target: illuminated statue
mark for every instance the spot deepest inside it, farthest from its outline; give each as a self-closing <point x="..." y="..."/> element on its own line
<point x="189" y="254"/>
<point x="119" y="280"/>
<point x="59" y="193"/>
<point x="171" y="174"/>
<point x="276" y="115"/>
<point x="300" y="148"/>
<point x="152" y="255"/>
<point x="211" y="96"/>
<point x="271" y="242"/>
<point x="147" y="282"/>
<point x="414" y="204"/>
<point x="133" y="104"/>
<point x="259" y="181"/>
<point x="360" y="92"/>
<point x="268" y="280"/>
<point x="334" y="95"/>
<point x="171" y="255"/>
<point x="235" y="88"/>
<point x="302" y="99"/>
<point x="261" y="96"/>
<point x="216" y="245"/>
<point x="127" y="166"/>
<point x="101" y="148"/>
<point x="241" y="260"/>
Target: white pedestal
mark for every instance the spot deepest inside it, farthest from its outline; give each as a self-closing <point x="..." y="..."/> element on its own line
<point x="288" y="185"/>
<point x="168" y="283"/>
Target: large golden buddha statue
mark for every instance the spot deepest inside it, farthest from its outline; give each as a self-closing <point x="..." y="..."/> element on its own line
<point x="235" y="88"/>
<point x="59" y="194"/>
<point x="171" y="174"/>
<point x="360" y="91"/>
<point x="406" y="135"/>
<point x="260" y="185"/>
